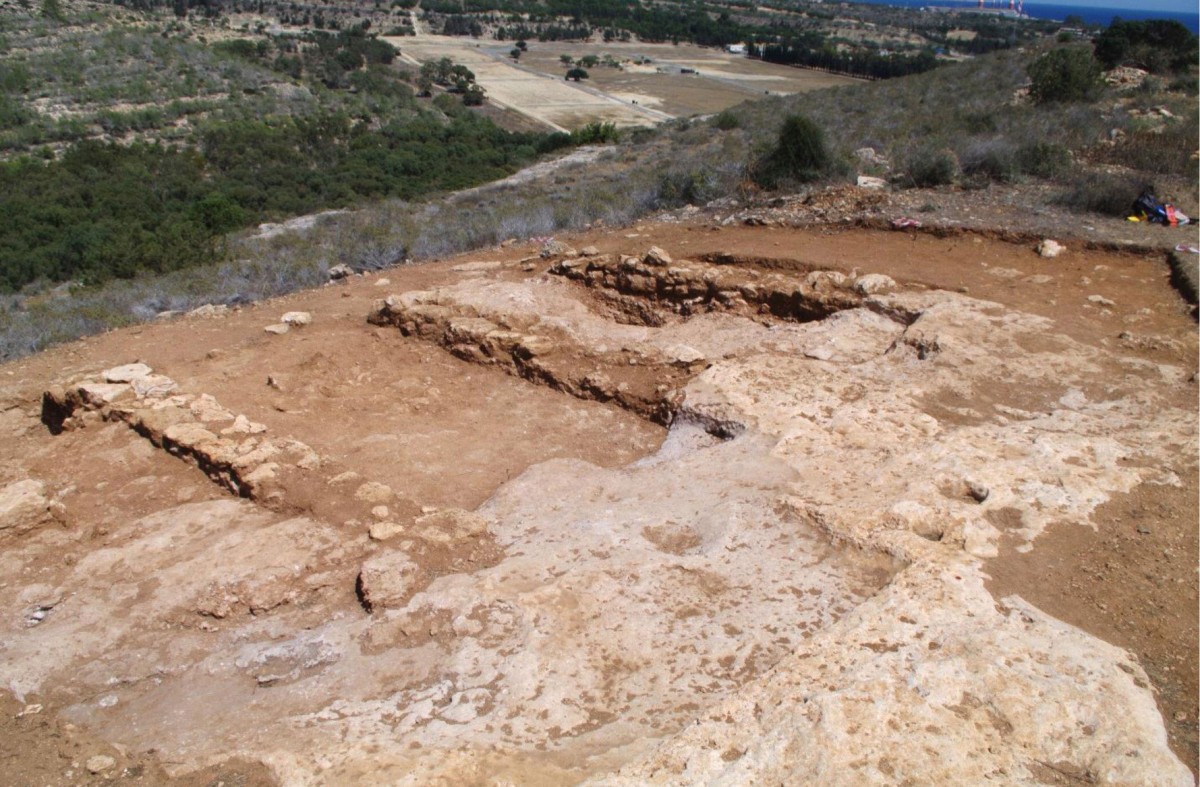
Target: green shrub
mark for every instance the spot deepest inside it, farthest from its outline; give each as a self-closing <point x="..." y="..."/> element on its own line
<point x="1157" y="45"/>
<point x="692" y="186"/>
<point x="993" y="159"/>
<point x="726" y="121"/>
<point x="800" y="155"/>
<point x="595" y="133"/>
<point x="1186" y="83"/>
<point x="1112" y="195"/>
<point x="1043" y="159"/>
<point x="1065" y="74"/>
<point x="1159" y="150"/>
<point x="932" y="167"/>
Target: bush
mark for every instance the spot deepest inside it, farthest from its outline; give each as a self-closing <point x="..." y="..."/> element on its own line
<point x="697" y="185"/>
<point x="1112" y="195"/>
<point x="595" y="133"/>
<point x="1043" y="159"/>
<point x="801" y="155"/>
<point x="932" y="167"/>
<point x="991" y="159"/>
<point x="1065" y="74"/>
<point x="726" y="121"/>
<point x="1158" y="150"/>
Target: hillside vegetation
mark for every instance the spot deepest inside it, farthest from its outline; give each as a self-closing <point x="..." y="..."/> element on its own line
<point x="131" y="152"/>
<point x="83" y="213"/>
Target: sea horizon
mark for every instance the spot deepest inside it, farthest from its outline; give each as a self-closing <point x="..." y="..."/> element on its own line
<point x="1093" y="15"/>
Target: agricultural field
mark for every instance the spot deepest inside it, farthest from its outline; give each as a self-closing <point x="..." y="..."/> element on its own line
<point x="631" y="84"/>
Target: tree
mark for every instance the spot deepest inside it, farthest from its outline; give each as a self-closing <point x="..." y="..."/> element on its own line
<point x="577" y="74"/>
<point x="801" y="154"/>
<point x="589" y="61"/>
<point x="1064" y="74"/>
<point x="52" y="9"/>
<point x="424" y="86"/>
<point x="474" y="96"/>
<point x="522" y="45"/>
<point x="515" y="53"/>
<point x="565" y="59"/>
<point x="1155" y="44"/>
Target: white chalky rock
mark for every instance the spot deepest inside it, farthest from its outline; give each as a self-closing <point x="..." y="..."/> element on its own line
<point x="296" y="319"/>
<point x="127" y="373"/>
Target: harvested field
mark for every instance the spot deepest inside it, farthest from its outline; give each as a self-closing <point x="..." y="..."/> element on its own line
<point x="631" y="95"/>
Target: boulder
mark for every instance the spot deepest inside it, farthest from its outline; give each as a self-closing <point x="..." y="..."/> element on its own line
<point x="387" y="580"/>
<point x="243" y="425"/>
<point x="207" y="409"/>
<point x="684" y="354"/>
<point x="278" y="329"/>
<point x="382" y="531"/>
<point x="127" y="373"/>
<point x="555" y="248"/>
<point x="296" y="319"/>
<point x="23" y="505"/>
<point x="1050" y="248"/>
<point x="868" y="182"/>
<point x="209" y="310"/>
<point x="340" y="272"/>
<point x="100" y="394"/>
<point x="656" y="256"/>
<point x="153" y="386"/>
<point x="375" y="493"/>
<point x="874" y="283"/>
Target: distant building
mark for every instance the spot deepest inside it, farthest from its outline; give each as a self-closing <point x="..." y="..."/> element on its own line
<point x="736" y="49"/>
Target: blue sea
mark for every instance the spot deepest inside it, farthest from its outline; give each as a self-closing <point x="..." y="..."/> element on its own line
<point x="1098" y="16"/>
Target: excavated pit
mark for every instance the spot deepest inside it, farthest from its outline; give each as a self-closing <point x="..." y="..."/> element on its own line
<point x="573" y="649"/>
<point x="634" y="339"/>
<point x="470" y="555"/>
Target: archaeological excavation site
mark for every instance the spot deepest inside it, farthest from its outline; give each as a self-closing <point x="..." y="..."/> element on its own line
<point x="674" y="505"/>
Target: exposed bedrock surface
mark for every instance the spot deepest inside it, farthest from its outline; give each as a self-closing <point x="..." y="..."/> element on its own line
<point x="789" y="590"/>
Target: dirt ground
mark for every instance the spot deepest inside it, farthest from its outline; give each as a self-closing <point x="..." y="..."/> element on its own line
<point x="449" y="433"/>
<point x="649" y="87"/>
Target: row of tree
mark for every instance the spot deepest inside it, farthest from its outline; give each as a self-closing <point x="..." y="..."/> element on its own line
<point x="859" y="62"/>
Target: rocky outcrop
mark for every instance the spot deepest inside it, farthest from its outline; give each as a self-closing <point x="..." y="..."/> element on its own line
<point x="931" y="682"/>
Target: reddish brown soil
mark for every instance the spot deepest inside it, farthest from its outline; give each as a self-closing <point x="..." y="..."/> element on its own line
<point x="349" y="389"/>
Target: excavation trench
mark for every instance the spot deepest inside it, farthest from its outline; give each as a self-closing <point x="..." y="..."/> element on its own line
<point x="625" y="330"/>
<point x="597" y="587"/>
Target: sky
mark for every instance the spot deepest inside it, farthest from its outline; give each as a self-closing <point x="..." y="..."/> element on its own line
<point x="1178" y="6"/>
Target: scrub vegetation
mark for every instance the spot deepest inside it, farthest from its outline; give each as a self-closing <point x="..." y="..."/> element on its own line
<point x="136" y="164"/>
